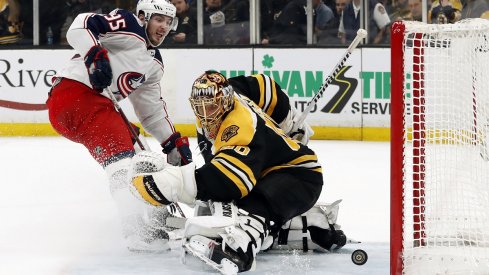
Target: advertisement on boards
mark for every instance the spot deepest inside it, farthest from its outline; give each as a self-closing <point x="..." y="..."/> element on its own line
<point x="301" y="75"/>
<point x="358" y="97"/>
<point x="25" y="80"/>
<point x="375" y="94"/>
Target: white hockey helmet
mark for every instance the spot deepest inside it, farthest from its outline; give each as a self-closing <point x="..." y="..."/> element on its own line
<point x="150" y="7"/>
<point x="163" y="7"/>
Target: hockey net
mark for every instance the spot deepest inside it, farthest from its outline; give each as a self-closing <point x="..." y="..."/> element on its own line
<point x="439" y="154"/>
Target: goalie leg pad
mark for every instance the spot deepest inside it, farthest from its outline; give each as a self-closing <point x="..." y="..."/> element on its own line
<point x="246" y="239"/>
<point x="223" y="214"/>
<point x="240" y="235"/>
<point x="144" y="227"/>
<point x="316" y="229"/>
<point x="320" y="215"/>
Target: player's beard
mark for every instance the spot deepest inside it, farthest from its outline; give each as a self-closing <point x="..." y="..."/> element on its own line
<point x="153" y="38"/>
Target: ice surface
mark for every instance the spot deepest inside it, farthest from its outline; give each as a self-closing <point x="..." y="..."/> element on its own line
<point x="57" y="216"/>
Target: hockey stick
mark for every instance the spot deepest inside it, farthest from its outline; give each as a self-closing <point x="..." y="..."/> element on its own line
<point x="361" y="34"/>
<point x="133" y="133"/>
<point x="126" y="121"/>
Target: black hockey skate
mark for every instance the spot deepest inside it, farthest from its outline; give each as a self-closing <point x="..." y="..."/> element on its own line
<point x="327" y="239"/>
<point x="212" y="254"/>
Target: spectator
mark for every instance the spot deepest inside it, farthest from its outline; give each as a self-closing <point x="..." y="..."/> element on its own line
<point x="445" y="11"/>
<point x="387" y="5"/>
<point x="52" y="16"/>
<point x="416" y="9"/>
<point x="330" y="3"/>
<point x="237" y="11"/>
<point x="399" y="10"/>
<point x="237" y="29"/>
<point x="377" y="26"/>
<point x="214" y="22"/>
<point x="474" y="9"/>
<point x="291" y="24"/>
<point x="330" y="34"/>
<point x="402" y="15"/>
<point x="226" y="24"/>
<point x="323" y="13"/>
<point x="269" y="12"/>
<point x="75" y="7"/>
<point x="10" y="23"/>
<point x="398" y="5"/>
<point x="186" y="32"/>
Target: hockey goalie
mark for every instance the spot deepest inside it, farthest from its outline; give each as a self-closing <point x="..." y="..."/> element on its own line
<point x="259" y="183"/>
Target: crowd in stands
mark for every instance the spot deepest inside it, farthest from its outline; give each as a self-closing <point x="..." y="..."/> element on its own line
<point x="227" y="22"/>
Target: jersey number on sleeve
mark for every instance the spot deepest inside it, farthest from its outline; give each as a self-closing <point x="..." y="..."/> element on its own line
<point x="115" y="21"/>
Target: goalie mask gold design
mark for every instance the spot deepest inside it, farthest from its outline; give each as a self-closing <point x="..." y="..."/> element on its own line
<point x="211" y="98"/>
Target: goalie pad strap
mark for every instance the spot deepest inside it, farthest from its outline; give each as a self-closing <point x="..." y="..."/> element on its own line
<point x="263" y="224"/>
<point x="305" y="248"/>
<point x="283" y="236"/>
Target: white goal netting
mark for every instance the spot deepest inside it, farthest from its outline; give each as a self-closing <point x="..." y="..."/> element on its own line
<point x="446" y="159"/>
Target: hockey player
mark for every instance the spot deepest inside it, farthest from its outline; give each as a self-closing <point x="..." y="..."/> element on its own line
<point x="116" y="53"/>
<point x="255" y="176"/>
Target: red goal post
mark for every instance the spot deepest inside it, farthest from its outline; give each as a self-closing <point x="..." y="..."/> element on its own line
<point x="439" y="157"/>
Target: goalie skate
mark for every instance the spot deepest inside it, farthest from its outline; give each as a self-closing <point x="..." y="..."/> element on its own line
<point x="209" y="252"/>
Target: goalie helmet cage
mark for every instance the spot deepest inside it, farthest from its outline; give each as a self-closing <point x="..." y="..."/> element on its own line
<point x="439" y="158"/>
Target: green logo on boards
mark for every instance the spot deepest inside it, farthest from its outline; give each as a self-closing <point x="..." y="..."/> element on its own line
<point x="302" y="86"/>
<point x="267" y="61"/>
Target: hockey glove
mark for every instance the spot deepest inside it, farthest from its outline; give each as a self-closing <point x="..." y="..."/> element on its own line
<point x="178" y="146"/>
<point x="98" y="66"/>
<point x="303" y="133"/>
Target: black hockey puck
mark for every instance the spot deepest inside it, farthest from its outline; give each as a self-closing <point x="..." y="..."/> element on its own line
<point x="359" y="257"/>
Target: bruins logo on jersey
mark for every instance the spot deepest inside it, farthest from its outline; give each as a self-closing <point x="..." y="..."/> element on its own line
<point x="229" y="132"/>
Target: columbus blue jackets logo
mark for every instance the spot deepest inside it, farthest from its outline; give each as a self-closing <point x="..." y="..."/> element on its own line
<point x="129" y="81"/>
<point x="229" y="132"/>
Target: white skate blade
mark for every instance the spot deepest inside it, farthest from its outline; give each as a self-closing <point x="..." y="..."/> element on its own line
<point x="226" y="267"/>
<point x="352" y="241"/>
<point x="348" y="241"/>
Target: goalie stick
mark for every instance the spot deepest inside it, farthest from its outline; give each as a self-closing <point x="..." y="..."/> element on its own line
<point x="361" y="34"/>
<point x="134" y="134"/>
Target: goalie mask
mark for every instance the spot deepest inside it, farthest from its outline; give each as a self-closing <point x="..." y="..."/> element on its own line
<point x="162" y="7"/>
<point x="211" y="98"/>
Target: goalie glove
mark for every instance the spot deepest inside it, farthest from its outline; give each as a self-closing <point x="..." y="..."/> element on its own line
<point x="168" y="184"/>
<point x="98" y="66"/>
<point x="177" y="149"/>
<point x="301" y="132"/>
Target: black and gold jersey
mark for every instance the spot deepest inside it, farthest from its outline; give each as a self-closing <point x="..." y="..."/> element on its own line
<point x="249" y="145"/>
<point x="265" y="93"/>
